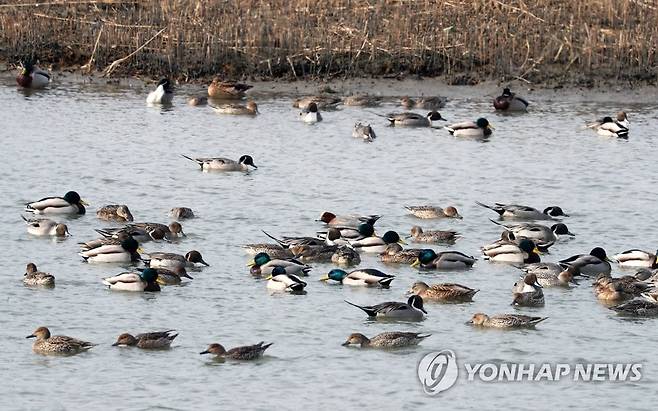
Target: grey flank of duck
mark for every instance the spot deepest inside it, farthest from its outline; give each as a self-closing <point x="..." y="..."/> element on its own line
<point x="428" y="259"/>
<point x="346" y="256"/>
<point x="362" y="100"/>
<point x="34" y="277"/>
<point x="412" y="310"/>
<point x="244" y="353"/>
<point x="181" y="213"/>
<point x="505" y="321"/>
<point x="374" y="244"/>
<point x="525" y="252"/>
<point x="443" y="292"/>
<point x="171" y="261"/>
<point x="592" y="264"/>
<point x="172" y="277"/>
<point x="250" y="109"/>
<point x="157" y="340"/>
<point x="637" y="258"/>
<point x="314" y="253"/>
<point x="143" y="281"/>
<point x="509" y="101"/>
<point x="115" y="212"/>
<point x="428" y="211"/>
<point x="427" y="103"/>
<point x="481" y="128"/>
<point x="364" y="277"/>
<point x="528" y="293"/>
<point x="395" y="254"/>
<point x="71" y="203"/>
<point x="224" y="164"/>
<point x="227" y="89"/>
<point x="263" y="264"/>
<point x="538" y="233"/>
<point x="57" y="344"/>
<point x="364" y="132"/>
<point x="163" y="93"/>
<point x="99" y="242"/>
<point x="42" y="227"/>
<point x="522" y="212"/>
<point x="124" y="252"/>
<point x="391" y="339"/>
<point x="275" y="251"/>
<point x="565" y="278"/>
<point x="320" y="101"/>
<point x="433" y="236"/>
<point x="638" y="307"/>
<point x="409" y="119"/>
<point x="311" y="114"/>
<point x="351" y="220"/>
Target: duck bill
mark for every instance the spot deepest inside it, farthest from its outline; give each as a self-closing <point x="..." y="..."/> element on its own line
<point x="416" y="263"/>
<point x="204" y="352"/>
<point x="324" y="278"/>
<point x="254" y="165"/>
<point x="140" y="250"/>
<point x="269" y="277"/>
<point x="469" y="322"/>
<point x="251" y="263"/>
<point x="84" y="203"/>
<point x="345" y="344"/>
<point x="31" y="336"/>
<point x="423" y="310"/>
<point x="536" y="250"/>
<point x="115" y="344"/>
<point x="401" y="241"/>
<point x="490" y="126"/>
<point x="204" y="263"/>
<point x="186" y="275"/>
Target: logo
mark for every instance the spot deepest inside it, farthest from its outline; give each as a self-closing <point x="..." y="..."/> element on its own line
<point x="437" y="371"/>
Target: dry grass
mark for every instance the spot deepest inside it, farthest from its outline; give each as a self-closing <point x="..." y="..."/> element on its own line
<point x="465" y="40"/>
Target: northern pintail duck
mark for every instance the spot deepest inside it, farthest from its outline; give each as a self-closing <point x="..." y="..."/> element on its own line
<point x="115" y="212"/>
<point x="314" y="253"/>
<point x="505" y="320"/>
<point x="245" y="353"/>
<point x="542" y="235"/>
<point x="322" y="101"/>
<point x="509" y="101"/>
<point x="163" y="93"/>
<point x="146" y="231"/>
<point x="368" y="277"/>
<point x="395" y="254"/>
<point x="564" y="278"/>
<point x="197" y="101"/>
<point x="592" y="264"/>
<point x="391" y="339"/>
<point x="171" y="260"/>
<point x="525" y="252"/>
<point x="542" y="269"/>
<point x="443" y="292"/>
<point x="124" y="252"/>
<point x="427" y="103"/>
<point x="529" y="293"/>
<point x="224" y="164"/>
<point x="639" y="307"/>
<point x="637" y="258"/>
<point x="364" y="132"/>
<point x="156" y="340"/>
<point x="275" y="251"/>
<point x="409" y="119"/>
<point x="350" y="220"/>
<point x="57" y="344"/>
<point x="428" y="259"/>
<point x="293" y="241"/>
<point x="478" y="129"/>
<point x="607" y="127"/>
<point x="362" y="100"/>
<point x="427" y="211"/>
<point x="250" y="109"/>
<point x="412" y="310"/>
<point x="71" y="203"/>
<point x="281" y="280"/>
<point x="227" y="89"/>
<point x="346" y="256"/>
<point x="32" y="77"/>
<point x="374" y="244"/>
<point x="172" y="277"/>
<point x="142" y="281"/>
<point x="181" y="213"/>
<point x="46" y="227"/>
<point x="311" y="114"/>
<point x="263" y="264"/>
<point x="522" y="212"/>
<point x="35" y="277"/>
<point x="433" y="236"/>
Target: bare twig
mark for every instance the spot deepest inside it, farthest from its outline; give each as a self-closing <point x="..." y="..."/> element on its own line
<point x="109" y="69"/>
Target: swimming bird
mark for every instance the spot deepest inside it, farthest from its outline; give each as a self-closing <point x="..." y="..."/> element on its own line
<point x="478" y="129"/>
<point x="522" y="212"/>
<point x="505" y="320"/>
<point x="173" y="276"/>
<point x="363" y="277"/>
<point x="146" y="231"/>
<point x="427" y="103"/>
<point x="364" y="132"/>
<point x="157" y="340"/>
<point x="275" y="251"/>
<point x="124" y="252"/>
<point x="171" y="260"/>
<point x="346" y="256"/>
<point x="427" y="211"/>
<point x="395" y="254"/>
<point x="608" y="127"/>
<point x="592" y="264"/>
<point x="428" y="259"/>
<point x="539" y="233"/>
<point x="525" y="252"/>
<point x="99" y="242"/>
<point x="374" y="244"/>
<point x="391" y="339"/>
<point x="45" y="227"/>
<point x="311" y="114"/>
<point x="409" y="119"/>
<point x="349" y="220"/>
<point x="509" y="101"/>
<point x="320" y="101"/>
<point x="343" y="235"/>
<point x="529" y="293"/>
<point x="281" y="280"/>
<point x="292" y="241"/>
<point x="224" y="164"/>
<point x="245" y="353"/>
<point x="314" y="253"/>
<point x="639" y="307"/>
<point x="636" y="258"/>
<point x="227" y="89"/>
<point x="115" y="212"/>
<point x="197" y="101"/>
<point x="163" y="93"/>
<point x="622" y="288"/>
<point x="35" y="277"/>
<point x="262" y="264"/>
<point x="362" y="100"/>
<point x="32" y="77"/>
<point x="433" y="236"/>
<point x="57" y="344"/>
<point x="564" y="278"/>
<point x="71" y="203"/>
<point x="412" y="310"/>
<point x="181" y="213"/>
<point x="542" y="270"/>
<point x="142" y="281"/>
<point x="251" y="109"/>
<point x="443" y="292"/>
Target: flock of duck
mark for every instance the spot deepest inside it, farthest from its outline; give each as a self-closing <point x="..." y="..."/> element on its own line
<point x="285" y="262"/>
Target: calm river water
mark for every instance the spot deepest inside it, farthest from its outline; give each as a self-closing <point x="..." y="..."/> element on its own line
<point x="104" y="142"/>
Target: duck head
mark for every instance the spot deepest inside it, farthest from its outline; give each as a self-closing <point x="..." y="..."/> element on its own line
<point x="130" y="244"/>
<point x="452" y="212"/>
<point x="561" y="229"/>
<point x="149" y="275"/>
<point x="125" y="339"/>
<point x="425" y="257"/>
<point x="599" y="253"/>
<point x="216" y="349"/>
<point x="392" y="237"/>
<point x="247" y="160"/>
<point x="195" y="257"/>
<point x="435" y="116"/>
<point x="260" y="259"/>
<point x="355" y="339"/>
<point x="336" y="274"/>
<point x="366" y="229"/>
<point x="41" y="333"/>
<point x="416" y="302"/>
<point x="555" y="211"/>
<point x="166" y="85"/>
<point x="418" y="287"/>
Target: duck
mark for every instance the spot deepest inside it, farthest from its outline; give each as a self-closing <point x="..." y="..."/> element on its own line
<point x="374" y="244"/>
<point x="592" y="264"/>
<point x="181" y="213"/>
<point x="412" y="310"/>
<point x="311" y="114"/>
<point x="163" y="93"/>
<point x="367" y="277"/>
<point x="71" y="203"/>
<point x="528" y="293"/>
<point x="275" y="251"/>
<point x="433" y="236"/>
<point x="156" y="340"/>
<point x="607" y="127"/>
<point x="362" y="100"/>
<point x="506" y="237"/>
<point x="171" y="261"/>
<point x="525" y="252"/>
<point x="197" y="101"/>
<point x="505" y="321"/>
<point x="346" y="256"/>
<point x="125" y="252"/>
<point x="443" y="292"/>
<point x="539" y="233"/>
<point x="409" y="119"/>
<point x="522" y="212"/>
<point x="32" y="77"/>
<point x="428" y="259"/>
<point x="428" y="211"/>
<point x="34" y="277"/>
<point x="173" y="276"/>
<point x="263" y="264"/>
<point x="636" y="258"/>
<point x="251" y="109"/>
<point x="390" y="339"/>
<point x="42" y="227"/>
<point x="142" y="281"/>
<point x="115" y="212"/>
<point x="481" y="128"/>
<point x="345" y="235"/>
<point x="227" y="89"/>
<point x="224" y="164"/>
<point x="146" y="231"/>
<point x="245" y="353"/>
<point x="304" y="241"/>
<point x="314" y="253"/>
<point x="542" y="269"/>
<point x="395" y="254"/>
<point x="351" y="220"/>
<point x="364" y="132"/>
<point x="281" y="280"/>
<point x="57" y="344"/>
<point x="564" y="278"/>
<point x="427" y="103"/>
<point x="509" y="101"/>
<point x="99" y="242"/>
<point x="638" y="307"/>
<point x="622" y="288"/>
<point x="320" y="101"/>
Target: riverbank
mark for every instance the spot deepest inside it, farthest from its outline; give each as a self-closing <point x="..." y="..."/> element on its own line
<point x="551" y="43"/>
